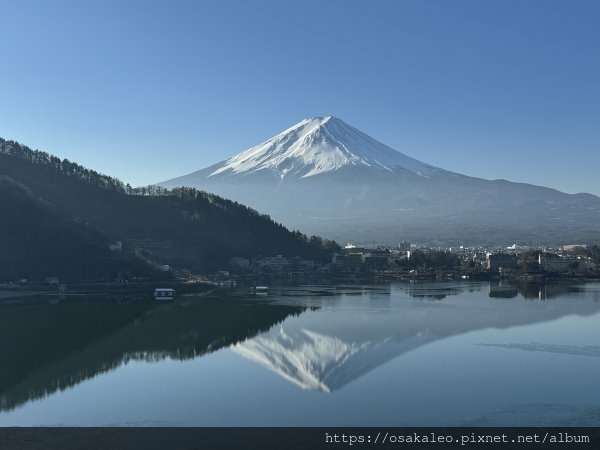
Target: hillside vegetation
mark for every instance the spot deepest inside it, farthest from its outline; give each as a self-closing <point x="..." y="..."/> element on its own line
<point x="64" y="213"/>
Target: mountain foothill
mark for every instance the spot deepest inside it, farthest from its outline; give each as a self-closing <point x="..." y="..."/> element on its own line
<point x="65" y="221"/>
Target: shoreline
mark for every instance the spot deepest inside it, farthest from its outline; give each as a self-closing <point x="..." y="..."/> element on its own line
<point x="12" y="292"/>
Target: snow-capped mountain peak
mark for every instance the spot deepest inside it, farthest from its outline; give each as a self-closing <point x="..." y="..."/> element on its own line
<point x="315" y="146"/>
<point x="327" y="178"/>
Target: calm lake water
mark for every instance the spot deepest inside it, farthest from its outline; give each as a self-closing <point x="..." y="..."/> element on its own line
<point x="398" y="355"/>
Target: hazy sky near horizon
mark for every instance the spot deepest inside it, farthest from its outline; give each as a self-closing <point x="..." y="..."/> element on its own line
<point x="149" y="90"/>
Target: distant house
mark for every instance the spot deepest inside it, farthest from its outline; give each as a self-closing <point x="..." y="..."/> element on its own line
<point x="274" y="264"/>
<point x="353" y="262"/>
<point x="495" y="261"/>
<point x="297" y="264"/>
<point x="554" y="263"/>
<point x="376" y="262"/>
<point x="337" y="261"/>
<point x="404" y="246"/>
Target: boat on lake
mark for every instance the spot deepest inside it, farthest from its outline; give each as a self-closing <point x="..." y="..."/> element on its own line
<point x="164" y="294"/>
<point x="259" y="290"/>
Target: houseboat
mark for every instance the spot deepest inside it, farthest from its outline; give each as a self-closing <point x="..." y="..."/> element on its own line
<point x="164" y="294"/>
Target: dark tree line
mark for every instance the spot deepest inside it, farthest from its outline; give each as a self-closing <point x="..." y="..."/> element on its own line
<point x="184" y="227"/>
<point x="38" y="241"/>
<point x="64" y="166"/>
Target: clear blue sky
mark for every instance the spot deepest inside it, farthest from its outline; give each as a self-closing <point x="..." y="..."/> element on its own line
<point x="147" y="91"/>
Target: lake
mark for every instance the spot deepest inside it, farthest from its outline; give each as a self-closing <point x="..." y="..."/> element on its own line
<point x="405" y="354"/>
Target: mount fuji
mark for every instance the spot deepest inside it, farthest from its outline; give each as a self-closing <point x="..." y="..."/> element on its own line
<point x="324" y="176"/>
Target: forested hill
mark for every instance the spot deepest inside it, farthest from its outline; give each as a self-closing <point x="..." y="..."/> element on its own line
<point x="183" y="227"/>
<point x="38" y="241"/>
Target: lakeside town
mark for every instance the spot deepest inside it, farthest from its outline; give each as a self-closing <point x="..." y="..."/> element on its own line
<point x="408" y="260"/>
<point x="352" y="263"/>
<point x="418" y="262"/>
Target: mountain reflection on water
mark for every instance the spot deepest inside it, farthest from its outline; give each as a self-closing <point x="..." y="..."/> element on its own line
<point x="319" y="338"/>
<point x="328" y="349"/>
<point x="58" y="345"/>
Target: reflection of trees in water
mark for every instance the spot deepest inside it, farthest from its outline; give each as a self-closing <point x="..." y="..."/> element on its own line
<point x="348" y="289"/>
<point x="327" y="351"/>
<point x="534" y="290"/>
<point x="544" y="290"/>
<point x="438" y="291"/>
<point x="57" y="346"/>
<point x="47" y="348"/>
<point x="429" y="296"/>
<point x="502" y="290"/>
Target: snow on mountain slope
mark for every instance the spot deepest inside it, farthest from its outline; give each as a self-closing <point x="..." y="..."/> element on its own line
<point x="324" y="177"/>
<point x="304" y="358"/>
<point x="316" y="146"/>
<point x="327" y="349"/>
